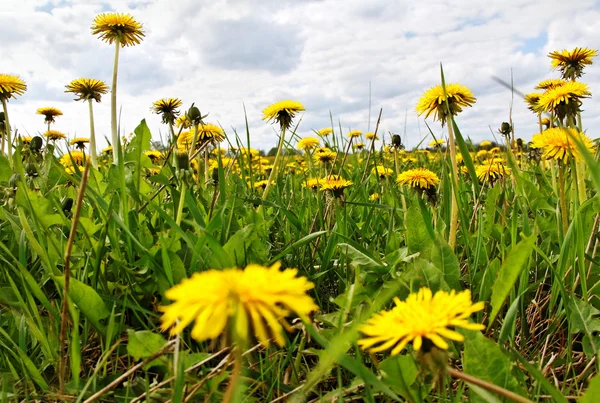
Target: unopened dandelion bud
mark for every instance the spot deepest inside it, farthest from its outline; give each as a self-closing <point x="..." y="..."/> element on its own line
<point x="194" y="114"/>
<point x="36" y="143"/>
<point x="183" y="161"/>
<point x="67" y="205"/>
<point x="505" y="128"/>
<point x="396" y="141"/>
<point x="31" y="170"/>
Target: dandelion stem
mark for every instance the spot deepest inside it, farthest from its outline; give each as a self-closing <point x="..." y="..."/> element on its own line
<point x="7" y="129"/>
<point x="454" y="204"/>
<point x="93" y="153"/>
<point x="181" y="202"/>
<point x="235" y="376"/>
<point x="113" y="104"/>
<point x="488" y="386"/>
<point x="563" y="200"/>
<point x="275" y="165"/>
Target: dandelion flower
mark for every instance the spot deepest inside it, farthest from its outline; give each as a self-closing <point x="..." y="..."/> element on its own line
<point x="358" y="146"/>
<point x="492" y="170"/>
<point x="308" y="143"/>
<point x="374" y="197"/>
<point x="50" y="113"/>
<point x="571" y="62"/>
<point x="257" y="298"/>
<point x="382" y="171"/>
<point x="335" y="185"/>
<point x="111" y="27"/>
<point x="87" y="88"/>
<point x="354" y="133"/>
<point x="564" y="99"/>
<point x="79" y="142"/>
<point x="559" y="144"/>
<point x="485" y="144"/>
<point x="421" y="178"/>
<point x="325" y="156"/>
<point x="436" y="143"/>
<point x="263" y="184"/>
<point x="371" y="136"/>
<point x="154" y="155"/>
<point x="282" y="112"/>
<point x="25" y="139"/>
<point x="532" y="100"/>
<point x="210" y="132"/>
<point x="11" y="86"/>
<point x="54" y="135"/>
<point x="167" y="108"/>
<point x="107" y="151"/>
<point x="433" y="101"/>
<point x="73" y="158"/>
<point x="312" y="183"/>
<point x="184" y="121"/>
<point x="325" y="132"/>
<point x="424" y="319"/>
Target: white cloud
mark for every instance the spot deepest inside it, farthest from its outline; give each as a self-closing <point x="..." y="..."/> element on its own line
<point x="226" y="54"/>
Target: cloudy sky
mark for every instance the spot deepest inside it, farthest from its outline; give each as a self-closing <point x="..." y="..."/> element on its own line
<point x="227" y="54"/>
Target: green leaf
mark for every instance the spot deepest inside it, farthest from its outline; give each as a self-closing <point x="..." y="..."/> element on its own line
<point x="509" y="273"/>
<point x="301" y="242"/>
<point x="399" y="372"/>
<point x="592" y="392"/>
<point x="417" y="236"/>
<point x="246" y="247"/>
<point x="5" y="171"/>
<point x="583" y="317"/>
<point x="484" y="359"/>
<point x="88" y="301"/>
<point x="357" y="257"/>
<point x="143" y="344"/>
<point x="443" y="257"/>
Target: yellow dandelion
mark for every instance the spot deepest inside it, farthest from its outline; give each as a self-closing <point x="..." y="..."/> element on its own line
<point x="437" y="143"/>
<point x="282" y="112"/>
<point x="54" y="135"/>
<point x="418" y="178"/>
<point x="335" y="185"/>
<point x="559" y="144"/>
<point x="312" y="183"/>
<point x="491" y="171"/>
<point x="167" y="108"/>
<point x="354" y="133"/>
<point x="325" y="156"/>
<point x="50" y="113"/>
<point x="571" y="62"/>
<point x="210" y="132"/>
<point x="73" y="158"/>
<point x="11" y="86"/>
<point x="382" y="171"/>
<point x="564" y="99"/>
<point x="374" y="197"/>
<point x="371" y="136"/>
<point x="549" y="84"/>
<point x="154" y="155"/>
<point x="112" y="27"/>
<point x="325" y="132"/>
<point x="79" y="142"/>
<point x="184" y="121"/>
<point x="424" y="319"/>
<point x="546" y="122"/>
<point x="263" y="184"/>
<point x="257" y="297"/>
<point x="87" y="88"/>
<point x="532" y="100"/>
<point x="108" y="150"/>
<point x="433" y="101"/>
<point x="308" y="143"/>
<point x="25" y="139"/>
<point x="359" y="146"/>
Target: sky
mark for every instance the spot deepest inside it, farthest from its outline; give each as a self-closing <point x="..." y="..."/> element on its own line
<point x="233" y="58"/>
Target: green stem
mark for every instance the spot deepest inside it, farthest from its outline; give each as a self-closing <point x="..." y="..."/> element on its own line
<point x="488" y="386"/>
<point x="275" y="163"/>
<point x="113" y="105"/>
<point x="234" y="381"/>
<point x="206" y="177"/>
<point x="93" y="151"/>
<point x="181" y="202"/>
<point x="580" y="168"/>
<point x="454" y="205"/>
<point x="7" y="128"/>
<point x="563" y="200"/>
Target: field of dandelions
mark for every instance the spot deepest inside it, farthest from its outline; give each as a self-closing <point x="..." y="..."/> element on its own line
<point x="200" y="270"/>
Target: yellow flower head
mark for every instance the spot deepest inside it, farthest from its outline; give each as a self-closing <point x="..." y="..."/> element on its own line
<point x="485" y="144"/>
<point x="436" y="143"/>
<point x="50" y="113"/>
<point x="571" y="62"/>
<point x="87" y="88"/>
<point x="564" y="99"/>
<point x="79" y="142"/>
<point x="382" y="171"/>
<point x="325" y="156"/>
<point x="492" y="170"/>
<point x="25" y="139"/>
<point x="559" y="143"/>
<point x="312" y="183"/>
<point x="183" y="121"/>
<point x="282" y="112"/>
<point x="308" y="143"/>
<point x="549" y="84"/>
<point x="433" y="101"/>
<point x="255" y="299"/>
<point x="210" y="132"/>
<point x="325" y="132"/>
<point x="374" y="197"/>
<point x="371" y="136"/>
<point x="11" y="86"/>
<point x="73" y="158"/>
<point x="54" y="135"/>
<point x="418" y="178"/>
<point x="546" y="122"/>
<point x="358" y="146"/>
<point x="167" y="107"/>
<point x="107" y="151"/>
<point x="354" y="133"/>
<point x="111" y="27"/>
<point x="422" y="318"/>
<point x="154" y="155"/>
<point x="263" y="184"/>
<point x="532" y="99"/>
<point x="335" y="185"/>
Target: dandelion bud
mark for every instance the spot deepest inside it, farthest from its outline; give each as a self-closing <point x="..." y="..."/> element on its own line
<point x="36" y="144"/>
<point x="31" y="170"/>
<point x="215" y="175"/>
<point x="505" y="128"/>
<point x="396" y="140"/>
<point x="2" y="118"/>
<point x="183" y="161"/>
<point x="67" y="205"/>
<point x="194" y="114"/>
